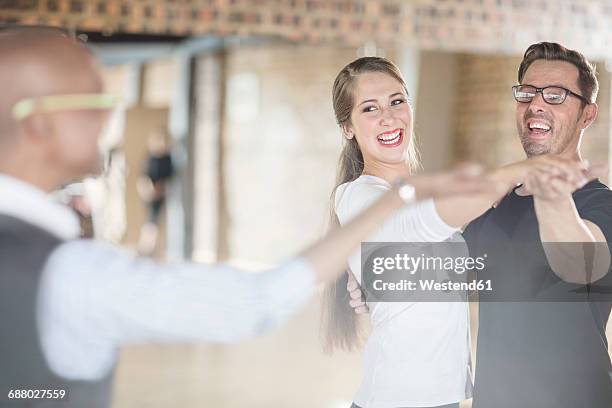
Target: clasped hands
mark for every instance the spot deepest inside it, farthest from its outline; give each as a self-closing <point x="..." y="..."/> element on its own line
<point x="553" y="178"/>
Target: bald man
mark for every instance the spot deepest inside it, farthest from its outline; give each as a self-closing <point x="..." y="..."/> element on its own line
<point x="67" y="305"/>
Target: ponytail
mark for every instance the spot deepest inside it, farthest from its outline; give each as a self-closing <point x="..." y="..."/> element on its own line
<point x="340" y="325"/>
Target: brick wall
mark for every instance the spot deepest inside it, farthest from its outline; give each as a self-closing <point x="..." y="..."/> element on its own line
<point x="499" y="26"/>
<point x="485" y="122"/>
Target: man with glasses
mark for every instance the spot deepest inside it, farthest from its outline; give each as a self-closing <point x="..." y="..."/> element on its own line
<point x="541" y="335"/>
<point x="553" y="352"/>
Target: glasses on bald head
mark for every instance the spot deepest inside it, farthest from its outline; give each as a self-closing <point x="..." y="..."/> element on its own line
<point x="553" y="95"/>
<point x="26" y="107"/>
<point x="42" y="30"/>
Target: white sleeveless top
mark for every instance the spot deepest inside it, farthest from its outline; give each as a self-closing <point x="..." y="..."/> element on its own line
<point x="418" y="353"/>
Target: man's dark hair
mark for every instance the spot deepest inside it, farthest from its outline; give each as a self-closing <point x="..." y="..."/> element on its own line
<point x="587" y="76"/>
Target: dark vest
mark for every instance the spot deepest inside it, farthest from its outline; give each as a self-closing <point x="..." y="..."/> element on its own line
<point x="24" y="249"/>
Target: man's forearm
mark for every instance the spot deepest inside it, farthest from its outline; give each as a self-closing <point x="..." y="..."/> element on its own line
<point x="559" y="221"/>
<point x="573" y="251"/>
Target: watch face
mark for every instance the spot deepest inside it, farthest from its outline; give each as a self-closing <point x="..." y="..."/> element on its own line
<point x="407" y="193"/>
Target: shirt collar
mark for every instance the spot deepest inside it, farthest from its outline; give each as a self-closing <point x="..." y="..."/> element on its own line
<point x="28" y="203"/>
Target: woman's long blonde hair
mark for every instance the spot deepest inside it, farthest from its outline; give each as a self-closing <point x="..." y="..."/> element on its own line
<point x="339" y="323"/>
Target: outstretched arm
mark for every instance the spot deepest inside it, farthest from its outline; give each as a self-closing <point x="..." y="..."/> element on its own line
<point x="461" y="209"/>
<point x="328" y="256"/>
<point x="95" y="296"/>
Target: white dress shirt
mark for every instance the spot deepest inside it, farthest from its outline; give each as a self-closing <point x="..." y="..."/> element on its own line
<point x="417" y="354"/>
<point x="94" y="297"/>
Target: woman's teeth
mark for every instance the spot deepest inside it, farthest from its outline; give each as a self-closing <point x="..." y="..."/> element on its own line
<point x="391" y="138"/>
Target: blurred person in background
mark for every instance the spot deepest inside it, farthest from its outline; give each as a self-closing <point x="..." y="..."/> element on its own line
<point x="68" y="305"/>
<point x="152" y="187"/>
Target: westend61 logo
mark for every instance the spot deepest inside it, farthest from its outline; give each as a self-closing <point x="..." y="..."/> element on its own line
<point x="409" y="272"/>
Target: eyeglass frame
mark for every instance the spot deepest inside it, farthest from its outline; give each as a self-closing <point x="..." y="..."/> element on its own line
<point x="28" y="106"/>
<point x="541" y="91"/>
<point x="68" y="33"/>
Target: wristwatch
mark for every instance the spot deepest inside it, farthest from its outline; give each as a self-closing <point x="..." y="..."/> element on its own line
<point x="406" y="191"/>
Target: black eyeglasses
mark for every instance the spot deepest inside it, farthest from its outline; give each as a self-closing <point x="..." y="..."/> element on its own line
<point x="554" y="95"/>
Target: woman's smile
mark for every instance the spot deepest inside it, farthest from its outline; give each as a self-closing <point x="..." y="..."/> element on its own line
<point x="392" y="138"/>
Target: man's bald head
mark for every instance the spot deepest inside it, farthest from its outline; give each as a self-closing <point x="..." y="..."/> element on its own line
<point x="38" y="62"/>
<point x="48" y="148"/>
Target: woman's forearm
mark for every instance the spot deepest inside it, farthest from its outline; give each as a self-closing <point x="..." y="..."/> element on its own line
<point x="459" y="210"/>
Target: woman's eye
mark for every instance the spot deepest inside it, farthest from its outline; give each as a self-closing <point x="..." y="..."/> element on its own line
<point x="369" y="109"/>
<point x="397" y="101"/>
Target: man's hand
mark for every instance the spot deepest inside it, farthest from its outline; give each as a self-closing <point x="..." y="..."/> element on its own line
<point x="547" y="185"/>
<point x="357" y="300"/>
<point x="557" y="180"/>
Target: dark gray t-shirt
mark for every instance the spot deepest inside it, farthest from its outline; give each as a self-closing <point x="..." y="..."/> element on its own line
<point x="544" y="354"/>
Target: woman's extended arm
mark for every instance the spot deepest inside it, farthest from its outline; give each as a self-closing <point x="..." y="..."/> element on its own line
<point x="328" y="256"/>
<point x="458" y="210"/>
